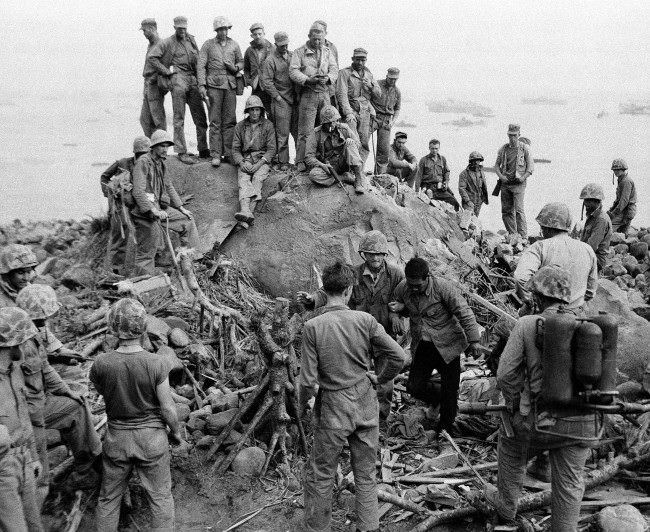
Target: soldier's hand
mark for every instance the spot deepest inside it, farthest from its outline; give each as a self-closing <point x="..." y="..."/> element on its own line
<point x="246" y="166"/>
<point x="350" y="118"/>
<point x="76" y="397"/>
<point x="279" y="98"/>
<point x="160" y="214"/>
<point x="5" y="439"/>
<point x="203" y="92"/>
<point x="473" y="350"/>
<point x="395" y="306"/>
<point x="304" y="298"/>
<point x="186" y="212"/>
<point x="37" y="468"/>
<point x="312" y="80"/>
<point x="397" y="324"/>
<point x="373" y="378"/>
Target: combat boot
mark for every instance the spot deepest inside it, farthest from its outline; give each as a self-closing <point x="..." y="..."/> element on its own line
<point x="244" y="214"/>
<point x="359" y="180"/>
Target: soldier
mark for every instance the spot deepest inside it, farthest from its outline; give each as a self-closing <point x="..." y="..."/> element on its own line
<point x="401" y="162"/>
<point x="337" y="347"/>
<point x="156" y="202"/>
<point x="355" y="87"/>
<point x="253" y="149"/>
<point x="442" y="327"/>
<point x="333" y="150"/>
<point x="220" y="64"/>
<point x="471" y="184"/>
<point x="376" y="280"/>
<point x="284" y="103"/>
<point x="624" y="209"/>
<point x="119" y="200"/>
<point x="254" y="57"/>
<point x="597" y="231"/>
<point x="139" y="407"/>
<point x="335" y="52"/>
<point x="519" y="377"/>
<point x="19" y="465"/>
<point x="558" y="249"/>
<point x="314" y="70"/>
<point x="52" y="404"/>
<point x="513" y="166"/>
<point x="152" y="115"/>
<point x="175" y="59"/>
<point x="387" y="107"/>
<point x="433" y="176"/>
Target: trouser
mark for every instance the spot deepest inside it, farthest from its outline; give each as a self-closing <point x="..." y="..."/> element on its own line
<point x="384" y="391"/>
<point x="223" y="103"/>
<point x="402" y="174"/>
<point x="186" y="91"/>
<point x="19" y="509"/>
<point x="422" y="386"/>
<point x="344" y="415"/>
<point x="250" y="186"/>
<point x="285" y="120"/>
<point x="75" y="423"/>
<point x="116" y="243"/>
<point x="381" y="122"/>
<point x="347" y="159"/>
<point x="148" y="233"/>
<point x="621" y="222"/>
<point x="474" y="206"/>
<point x="441" y="194"/>
<point x="43" y="481"/>
<point x="147" y="451"/>
<point x="362" y="119"/>
<point x="512" y="210"/>
<point x="266" y="99"/>
<point x="567" y="483"/>
<point x="310" y="105"/>
<point x="152" y="115"/>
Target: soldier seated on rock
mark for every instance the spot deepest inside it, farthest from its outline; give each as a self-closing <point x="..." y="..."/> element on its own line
<point x="433" y="176"/>
<point x="333" y="150"/>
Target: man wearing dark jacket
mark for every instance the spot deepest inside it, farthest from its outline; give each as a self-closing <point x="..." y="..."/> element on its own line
<point x="260" y="48"/>
<point x="471" y="184"/>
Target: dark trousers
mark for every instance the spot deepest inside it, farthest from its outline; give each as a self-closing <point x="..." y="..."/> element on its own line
<point x="421" y="384"/>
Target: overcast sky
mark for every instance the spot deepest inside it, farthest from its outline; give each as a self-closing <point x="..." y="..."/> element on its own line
<point x="523" y="47"/>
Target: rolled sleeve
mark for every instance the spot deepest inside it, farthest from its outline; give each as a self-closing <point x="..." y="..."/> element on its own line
<point x="529" y="263"/>
<point x="140" y="172"/>
<point x="342" y="93"/>
<point x="294" y="68"/>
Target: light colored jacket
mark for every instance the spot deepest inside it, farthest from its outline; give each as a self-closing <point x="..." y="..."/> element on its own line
<point x="352" y="94"/>
<point x="525" y="164"/>
<point x="472" y="187"/>
<point x="305" y="63"/>
<point x="218" y="64"/>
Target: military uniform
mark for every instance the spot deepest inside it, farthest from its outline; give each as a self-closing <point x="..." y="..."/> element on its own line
<point x="473" y="189"/>
<point x="597" y="232"/>
<point x="387" y="107"/>
<point x="433" y="177"/>
<point x="254" y="59"/>
<point x="339" y="147"/>
<point x="337" y="346"/>
<point x="152" y="115"/>
<point x="624" y="209"/>
<point x="398" y="163"/>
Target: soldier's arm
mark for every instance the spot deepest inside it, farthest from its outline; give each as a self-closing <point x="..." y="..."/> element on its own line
<point x="418" y="174"/>
<point x="247" y="67"/>
<point x="342" y="93"/>
<point x="311" y="150"/>
<point x="408" y="156"/>
<point x="529" y="262"/>
<point x="445" y="171"/>
<point x="271" y="143"/>
<point x="295" y="74"/>
<point x="202" y="65"/>
<point x="530" y="163"/>
<point x="385" y="348"/>
<point x="54" y="384"/>
<point x="376" y="88"/>
<point x="106" y="176"/>
<point x="398" y="105"/>
<point x="623" y="199"/>
<point x="462" y="187"/>
<point x="156" y="55"/>
<point x="140" y="186"/>
<point x="266" y="78"/>
<point x="457" y="305"/>
<point x="592" y="280"/>
<point x="497" y="164"/>
<point x="237" y="155"/>
<point x="174" y="199"/>
<point x="333" y="69"/>
<point x="168" y="408"/>
<point x="597" y="235"/>
<point x="511" y="371"/>
<point x="239" y="60"/>
<point x="308" y="378"/>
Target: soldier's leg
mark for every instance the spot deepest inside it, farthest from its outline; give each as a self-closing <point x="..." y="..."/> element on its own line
<point x="147" y="234"/>
<point x="116" y="244"/>
<point x="567" y="485"/>
<point x="295" y="119"/>
<point x="512" y="458"/>
<point x="198" y="116"/>
<point x="319" y="478"/>
<point x="31" y="506"/>
<point x="384" y="391"/>
<point x="477" y="207"/>
<point x="420" y="383"/>
<point x="383" y="147"/>
<point x="321" y="177"/>
<point x="450" y="381"/>
<point x="257" y="181"/>
<point x="215" y="96"/>
<point x="156" y="99"/>
<point x="507" y="210"/>
<point x="12" y="515"/>
<point x="266" y="100"/>
<point x="307" y="111"/>
<point x="43" y="481"/>
<point x="228" y="121"/>
<point x="183" y="226"/>
<point x="363" y="129"/>
<point x="282" y="120"/>
<point x="447" y="196"/>
<point x="75" y="423"/>
<point x="520" y="215"/>
<point x="152" y="450"/>
<point x="146" y="120"/>
<point x="350" y="154"/>
<point x="179" y="99"/>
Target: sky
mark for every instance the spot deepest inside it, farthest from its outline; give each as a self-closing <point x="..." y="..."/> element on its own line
<point x="475" y="48"/>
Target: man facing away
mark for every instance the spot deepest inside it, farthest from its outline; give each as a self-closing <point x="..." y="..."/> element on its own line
<point x="513" y="167"/>
<point x="175" y="58"/>
<point x="337" y="347"/>
<point x="152" y="115"/>
<point x="139" y="407"/>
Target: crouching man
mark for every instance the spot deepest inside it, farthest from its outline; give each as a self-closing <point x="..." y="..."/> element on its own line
<point x="519" y="377"/>
<point x="337" y="346"/>
<point x="333" y="150"/>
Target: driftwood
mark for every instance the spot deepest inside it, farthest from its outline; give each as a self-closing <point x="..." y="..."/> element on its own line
<point x="536" y="500"/>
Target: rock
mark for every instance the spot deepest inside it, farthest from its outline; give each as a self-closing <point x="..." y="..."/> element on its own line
<point x="442" y="461"/>
<point x="202" y="413"/>
<point x="234" y="437"/>
<point x="182" y="411"/>
<point x="205" y="442"/>
<point x="158" y="329"/>
<point x="196" y="423"/>
<point x="346" y="501"/>
<point x="178" y="338"/>
<point x="621" y="249"/>
<point x="639" y="250"/>
<point x="223" y="402"/>
<point x="78" y="277"/>
<point x="45" y="279"/>
<point x="620" y="282"/>
<point x="185" y="391"/>
<point x="174" y="363"/>
<point x="614" y="269"/>
<point x="630" y="391"/>
<point x="200" y="354"/>
<point x="217" y="422"/>
<point x="177" y="323"/>
<point x="249" y="462"/>
<point x="643" y="311"/>
<point x="627" y="279"/>
<point x="624" y="517"/>
<point x="617" y="238"/>
<point x="631" y="264"/>
<point x="635" y="299"/>
<point x="646" y="239"/>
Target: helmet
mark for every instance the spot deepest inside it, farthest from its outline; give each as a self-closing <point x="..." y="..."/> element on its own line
<point x="15" y="256"/>
<point x="141" y="145"/>
<point x="555" y="216"/>
<point x="329" y="114"/>
<point x="373" y="242"/>
<point x="127" y="319"/>
<point x="592" y="191"/>
<point x="160" y="136"/>
<point x="221" y="22"/>
<point x="252" y="102"/>
<point x="619" y="164"/>
<point x="16" y="327"/>
<point x="475" y="156"/>
<point x="38" y="300"/>
<point x="551" y="281"/>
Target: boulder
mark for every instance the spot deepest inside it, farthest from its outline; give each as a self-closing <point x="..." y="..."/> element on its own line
<point x="614" y="269"/>
<point x="631" y="264"/>
<point x="182" y="411"/>
<point x="249" y="462"/>
<point x="178" y="338"/>
<point x="223" y="401"/>
<point x="157" y="329"/>
<point x="217" y="422"/>
<point x="205" y="442"/>
<point x="177" y="323"/>
<point x="621" y="249"/>
<point x="78" y="277"/>
<point x="630" y="391"/>
<point x="634" y="331"/>
<point x="624" y="517"/>
<point x="639" y="250"/>
<point x="617" y="238"/>
<point x="646" y="239"/>
<point x="196" y="423"/>
<point x="174" y="363"/>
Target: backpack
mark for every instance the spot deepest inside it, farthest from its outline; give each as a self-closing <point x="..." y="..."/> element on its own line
<point x="120" y="188"/>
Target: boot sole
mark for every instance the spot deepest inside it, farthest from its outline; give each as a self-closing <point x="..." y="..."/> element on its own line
<point x="243" y="218"/>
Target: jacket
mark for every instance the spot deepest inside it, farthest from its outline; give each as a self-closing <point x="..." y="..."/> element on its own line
<point x="14" y="411"/>
<point x="304" y="63"/>
<point x="262" y="146"/>
<point x="471" y="189"/>
<point x="399" y="158"/>
<point x="389" y="101"/>
<point x="625" y="204"/>
<point x="121" y="165"/>
<point x="253" y="63"/>
<point x="152" y="187"/>
<point x="218" y="64"/>
<point x="275" y="78"/>
<point x="169" y="52"/>
<point x="316" y="149"/>
<point x="432" y="171"/>
<point x="525" y="164"/>
<point x="440" y="315"/>
<point x="597" y="232"/>
<point x="149" y="71"/>
<point x="352" y="94"/>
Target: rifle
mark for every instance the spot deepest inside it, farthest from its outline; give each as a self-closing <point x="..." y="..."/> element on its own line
<point x="336" y="177"/>
<point x="615" y="408"/>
